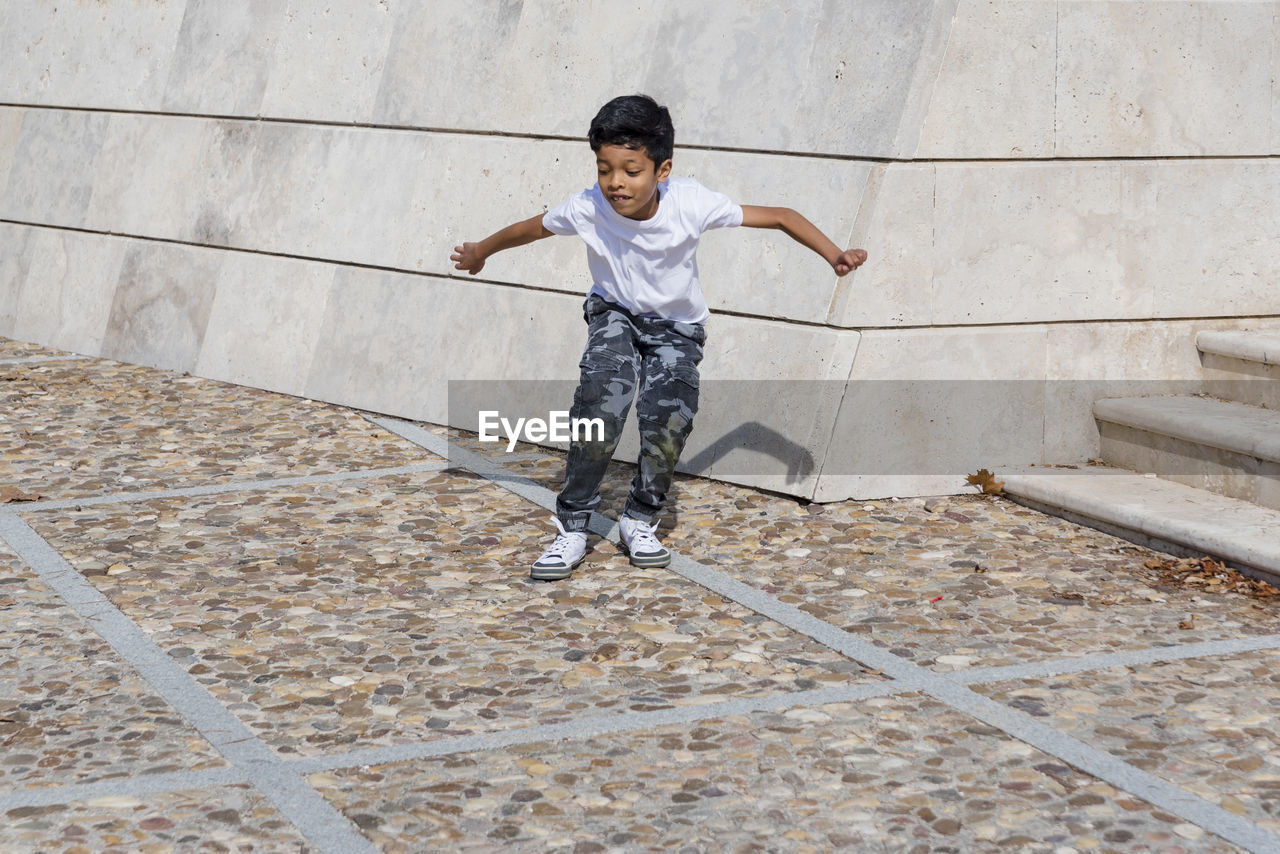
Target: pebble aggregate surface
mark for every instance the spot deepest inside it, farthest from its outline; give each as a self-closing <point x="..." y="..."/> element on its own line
<point x="1211" y="726"/>
<point x="391" y="615"/>
<point x="404" y="587"/>
<point x="70" y="709"/>
<point x="231" y="819"/>
<point x="889" y="773"/>
<point x="10" y="349"/>
<point x="68" y="432"/>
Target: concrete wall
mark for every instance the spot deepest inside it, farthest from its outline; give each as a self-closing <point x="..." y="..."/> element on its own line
<point x="1054" y="195"/>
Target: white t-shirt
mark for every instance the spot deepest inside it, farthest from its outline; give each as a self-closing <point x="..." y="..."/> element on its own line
<point x="647" y="266"/>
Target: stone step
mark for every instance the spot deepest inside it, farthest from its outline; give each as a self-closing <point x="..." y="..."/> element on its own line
<point x="1242" y="366"/>
<point x="1222" y="424"/>
<point x="1229" y="448"/>
<point x="1262" y="346"/>
<point x="1169" y="517"/>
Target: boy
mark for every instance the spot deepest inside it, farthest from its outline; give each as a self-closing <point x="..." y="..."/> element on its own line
<point x="645" y="314"/>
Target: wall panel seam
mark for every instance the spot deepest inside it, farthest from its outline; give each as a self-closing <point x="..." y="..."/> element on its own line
<point x="719" y="312"/>
<point x="726" y="149"/>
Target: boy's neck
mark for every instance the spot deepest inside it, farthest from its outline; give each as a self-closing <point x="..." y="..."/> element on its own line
<point x="650" y="210"/>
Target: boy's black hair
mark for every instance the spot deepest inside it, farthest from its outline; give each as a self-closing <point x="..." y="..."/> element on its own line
<point x="634" y="121"/>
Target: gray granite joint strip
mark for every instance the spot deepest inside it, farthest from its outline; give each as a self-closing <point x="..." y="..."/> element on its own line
<point x="581" y="728"/>
<point x="223" y="488"/>
<point x="35" y="360"/>
<point x="1104" y="661"/>
<point x="619" y="723"/>
<point x="1092" y="761"/>
<point x="146" y="784"/>
<point x="486" y="468"/>
<point x="593" y="726"/>
<point x="322" y="825"/>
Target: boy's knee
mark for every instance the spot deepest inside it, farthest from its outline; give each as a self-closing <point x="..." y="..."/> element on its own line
<point x="666" y="435"/>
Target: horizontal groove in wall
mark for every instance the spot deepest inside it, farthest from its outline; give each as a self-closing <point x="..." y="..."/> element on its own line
<point x="728" y="149"/>
<point x="524" y="287"/>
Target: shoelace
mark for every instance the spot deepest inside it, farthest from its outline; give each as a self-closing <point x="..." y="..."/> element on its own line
<point x="563" y="542"/>
<point x="643" y="540"/>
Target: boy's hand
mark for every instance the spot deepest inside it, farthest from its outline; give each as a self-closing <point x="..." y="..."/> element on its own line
<point x="471" y="256"/>
<point x="848" y="261"/>
<point x="468" y="257"/>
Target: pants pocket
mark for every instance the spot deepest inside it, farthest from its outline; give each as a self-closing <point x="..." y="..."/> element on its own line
<point x="670" y="400"/>
<point x="606" y="385"/>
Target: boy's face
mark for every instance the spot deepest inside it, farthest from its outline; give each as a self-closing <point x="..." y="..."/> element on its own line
<point x="629" y="180"/>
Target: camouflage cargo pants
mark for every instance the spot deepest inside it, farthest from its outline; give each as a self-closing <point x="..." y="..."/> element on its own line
<point x="625" y="353"/>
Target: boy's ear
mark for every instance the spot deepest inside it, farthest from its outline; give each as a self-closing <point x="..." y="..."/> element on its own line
<point x="664" y="170"/>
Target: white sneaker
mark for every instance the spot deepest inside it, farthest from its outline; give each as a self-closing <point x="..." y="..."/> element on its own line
<point x="565" y="552"/>
<point x="638" y="539"/>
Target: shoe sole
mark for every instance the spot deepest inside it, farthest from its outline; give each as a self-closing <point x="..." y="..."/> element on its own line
<point x="655" y="562"/>
<point x="554" y="573"/>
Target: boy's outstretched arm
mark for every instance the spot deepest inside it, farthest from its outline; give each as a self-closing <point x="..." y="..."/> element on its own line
<point x="471" y="256"/>
<point x="805" y="232"/>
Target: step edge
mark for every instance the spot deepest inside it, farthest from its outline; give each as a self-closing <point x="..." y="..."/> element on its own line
<point x="1264" y="447"/>
<point x="1225" y="541"/>
<point x="1237" y="345"/>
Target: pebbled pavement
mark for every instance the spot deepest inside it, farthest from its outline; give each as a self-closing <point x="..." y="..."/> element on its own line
<point x="233" y="620"/>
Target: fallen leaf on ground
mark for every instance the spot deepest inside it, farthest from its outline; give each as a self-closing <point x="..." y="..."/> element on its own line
<point x="11" y="494"/>
<point x="987" y="482"/>
<point x="1210" y="576"/>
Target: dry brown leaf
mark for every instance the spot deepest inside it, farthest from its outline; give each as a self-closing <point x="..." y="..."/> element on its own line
<point x="987" y="482"/>
<point x="1210" y="576"/>
<point x="11" y="494"/>
<point x="1189" y="623"/>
